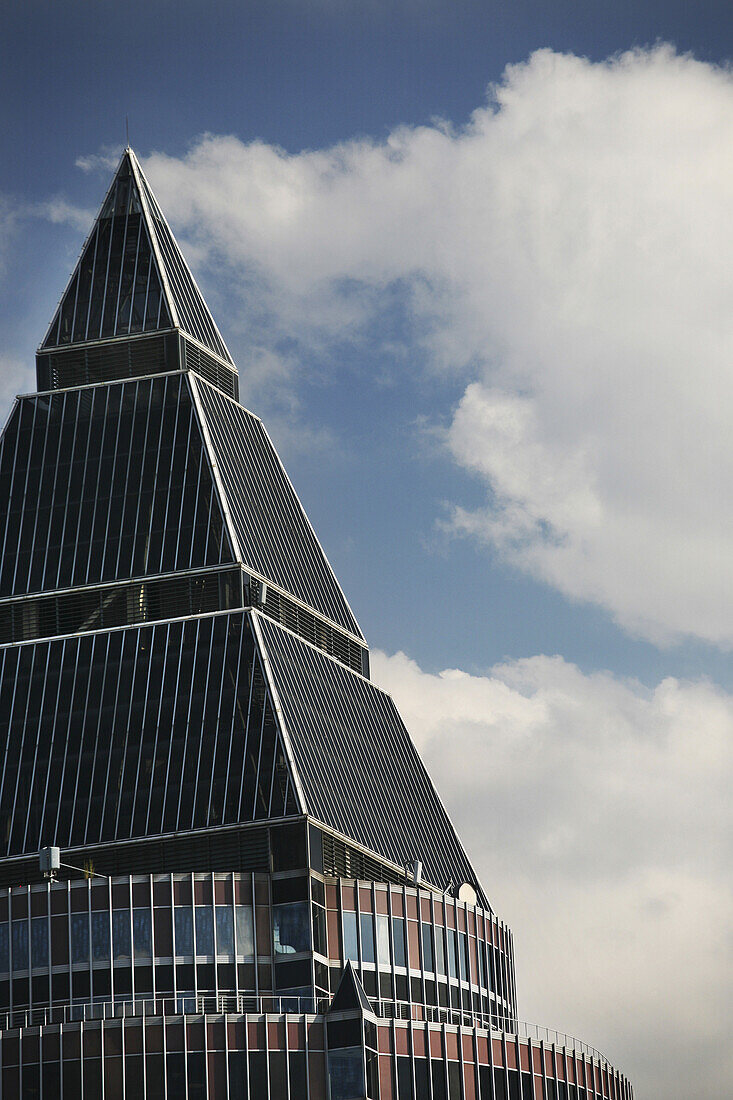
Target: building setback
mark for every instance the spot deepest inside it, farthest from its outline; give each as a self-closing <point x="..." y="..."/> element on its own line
<point x="280" y="907"/>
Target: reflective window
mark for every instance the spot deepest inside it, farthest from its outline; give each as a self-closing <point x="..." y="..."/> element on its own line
<point x="245" y="932"/>
<point x="224" y="930"/>
<point x="398" y="937"/>
<point x="121" y="939"/>
<point x="346" y="1074"/>
<point x="100" y="937"/>
<point x="4" y="947"/>
<point x="351" y="942"/>
<point x="291" y="928"/>
<point x="79" y="937"/>
<point x="20" y="945"/>
<point x="39" y="941"/>
<point x="463" y="955"/>
<point x="183" y="917"/>
<point x="452" y="952"/>
<point x="367" y="938"/>
<point x="440" y="950"/>
<point x="427" y="948"/>
<point x="141" y="933"/>
<point x="204" y="930"/>
<point x="383" y="940"/>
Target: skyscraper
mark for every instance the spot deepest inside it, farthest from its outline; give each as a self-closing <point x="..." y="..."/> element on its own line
<point x="261" y="894"/>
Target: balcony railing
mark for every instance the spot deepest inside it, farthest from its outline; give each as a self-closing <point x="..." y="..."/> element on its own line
<point x="406" y="1010"/>
<point x="243" y="1003"/>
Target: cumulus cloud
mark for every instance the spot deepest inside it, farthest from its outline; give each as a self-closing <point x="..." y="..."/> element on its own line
<point x="597" y="814"/>
<point x="567" y="254"/>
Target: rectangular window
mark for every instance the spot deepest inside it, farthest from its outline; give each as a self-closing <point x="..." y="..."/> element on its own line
<point x="427" y="948"/>
<point x="367" y="938"/>
<point x="398" y="937"/>
<point x="79" y="937"/>
<point x="121" y="944"/>
<point x="20" y="945"/>
<point x="383" y="940"/>
<point x="320" y="944"/>
<point x="39" y="941"/>
<point x="4" y="948"/>
<point x="291" y="928"/>
<point x="481" y="963"/>
<point x="452" y="952"/>
<point x="100" y="937"/>
<point x="204" y="930"/>
<point x="245" y="933"/>
<point x="183" y="917"/>
<point x="440" y="950"/>
<point x="224" y="930"/>
<point x="346" y="1074"/>
<point x="351" y="944"/>
<point x="141" y="933"/>
<point x="463" y="955"/>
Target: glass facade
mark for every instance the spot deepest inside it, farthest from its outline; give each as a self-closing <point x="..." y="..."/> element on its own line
<point x="137" y="732"/>
<point x="186" y="713"/>
<point x="106" y="483"/>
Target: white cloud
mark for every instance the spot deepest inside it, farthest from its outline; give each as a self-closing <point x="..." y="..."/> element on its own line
<point x="597" y="813"/>
<point x="567" y="252"/>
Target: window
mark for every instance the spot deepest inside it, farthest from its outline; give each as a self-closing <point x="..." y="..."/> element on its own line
<point x="383" y="940"/>
<point x="100" y="937"/>
<point x="440" y="950"/>
<point x="291" y="928"/>
<point x="79" y="937"/>
<point x="427" y="948"/>
<point x="367" y="938"/>
<point x="463" y="956"/>
<point x="183" y="918"/>
<point x="121" y="944"/>
<point x="204" y="930"/>
<point x="4" y="947"/>
<point x="141" y="933"/>
<point x="245" y="931"/>
<point x="346" y="1074"/>
<point x="398" y="936"/>
<point x="452" y="953"/>
<point x="224" y="930"/>
<point x="39" y="941"/>
<point x="351" y="945"/>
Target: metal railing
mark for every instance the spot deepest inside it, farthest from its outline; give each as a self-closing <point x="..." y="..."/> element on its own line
<point x="244" y="1003"/>
<point x="406" y="1010"/>
<point x="181" y="1005"/>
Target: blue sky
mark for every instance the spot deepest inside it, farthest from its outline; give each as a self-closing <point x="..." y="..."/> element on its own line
<point x="494" y="351"/>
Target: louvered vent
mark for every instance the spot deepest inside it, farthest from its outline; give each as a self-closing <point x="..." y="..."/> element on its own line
<point x="116" y="360"/>
<point x="342" y="861"/>
<point x="238" y="850"/>
<point x="320" y="633"/>
<point x="104" y="607"/>
<point x="210" y="368"/>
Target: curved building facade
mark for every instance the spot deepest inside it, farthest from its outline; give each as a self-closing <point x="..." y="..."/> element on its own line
<point x="252" y="889"/>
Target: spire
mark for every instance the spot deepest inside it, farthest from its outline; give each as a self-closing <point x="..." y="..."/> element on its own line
<point x="131" y="277"/>
<point x="350" y="995"/>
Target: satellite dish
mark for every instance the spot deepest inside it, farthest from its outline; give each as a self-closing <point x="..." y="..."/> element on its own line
<point x="467" y="893"/>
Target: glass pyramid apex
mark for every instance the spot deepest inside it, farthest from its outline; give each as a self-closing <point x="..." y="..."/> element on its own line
<point x="131" y="277"/>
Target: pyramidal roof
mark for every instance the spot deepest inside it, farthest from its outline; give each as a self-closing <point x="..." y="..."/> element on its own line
<point x="131" y="276"/>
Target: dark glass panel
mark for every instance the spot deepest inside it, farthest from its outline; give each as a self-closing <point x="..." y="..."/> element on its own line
<point x="86" y="273"/>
